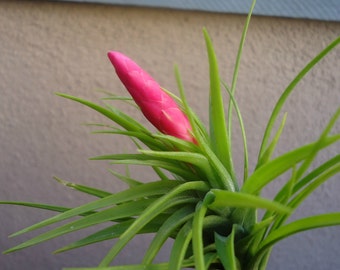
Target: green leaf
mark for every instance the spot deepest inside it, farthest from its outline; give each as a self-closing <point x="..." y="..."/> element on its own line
<point x="126" y="99"/>
<point x="274" y="168"/>
<point x="197" y="132"/>
<point x="168" y="227"/>
<point x="225" y="198"/>
<point x="313" y="222"/>
<point x="176" y="143"/>
<point x="128" y="119"/>
<point x="110" y="232"/>
<point x="85" y="189"/>
<point x="197" y="235"/>
<point x="226" y="250"/>
<point x="309" y="178"/>
<point x="160" y="173"/>
<point x="113" y="96"/>
<point x="180" y="247"/>
<point x="144" y="218"/>
<point x="195" y="120"/>
<point x="233" y="89"/>
<point x="140" y="191"/>
<point x="126" y="179"/>
<point x="270" y="149"/>
<point x="113" y="114"/>
<point x="120" y="211"/>
<point x="238" y="59"/>
<point x="317" y="172"/>
<point x="301" y="196"/>
<point x="147" y="160"/>
<point x="209" y="259"/>
<point x="307" y="162"/>
<point x="171" y="199"/>
<point x="243" y="132"/>
<point x="147" y="139"/>
<point x="288" y="91"/>
<point x="248" y="244"/>
<point x="161" y="266"/>
<point x="191" y="158"/>
<point x="188" y="157"/>
<point x="114" y="231"/>
<point x="121" y="157"/>
<point x="183" y="173"/>
<point x="218" y="130"/>
<point x="223" y="177"/>
<point x="38" y="206"/>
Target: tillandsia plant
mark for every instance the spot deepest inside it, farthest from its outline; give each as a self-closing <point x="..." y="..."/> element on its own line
<point x="198" y="201"/>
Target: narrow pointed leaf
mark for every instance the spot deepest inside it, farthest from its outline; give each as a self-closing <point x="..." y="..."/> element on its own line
<point x="126" y="179"/>
<point x="187" y="110"/>
<point x="243" y="132"/>
<point x="140" y="191"/>
<point x="308" y="223"/>
<point x="223" y="179"/>
<point x="307" y="180"/>
<point x="150" y="212"/>
<point x="270" y="149"/>
<point x="85" y="189"/>
<point x="289" y="90"/>
<point x="147" y="139"/>
<point x="218" y="129"/>
<point x="117" y="212"/>
<point x="308" y="161"/>
<point x="113" y="114"/>
<point x="234" y="82"/>
<point x="303" y="194"/>
<point x="316" y="172"/>
<point x="113" y="231"/>
<point x="272" y="169"/>
<point x="171" y="199"/>
<point x="54" y="208"/>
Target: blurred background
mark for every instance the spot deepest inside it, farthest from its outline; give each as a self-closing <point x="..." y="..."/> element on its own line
<point x="48" y="47"/>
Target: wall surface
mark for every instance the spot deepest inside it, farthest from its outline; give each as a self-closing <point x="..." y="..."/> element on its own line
<point x="61" y="47"/>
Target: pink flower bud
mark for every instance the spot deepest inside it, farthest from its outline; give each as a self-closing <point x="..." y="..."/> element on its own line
<point x="157" y="106"/>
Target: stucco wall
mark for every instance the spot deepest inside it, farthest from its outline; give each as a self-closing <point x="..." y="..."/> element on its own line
<point x="50" y="47"/>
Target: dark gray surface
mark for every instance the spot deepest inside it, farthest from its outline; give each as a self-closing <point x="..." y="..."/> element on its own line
<point x="328" y="10"/>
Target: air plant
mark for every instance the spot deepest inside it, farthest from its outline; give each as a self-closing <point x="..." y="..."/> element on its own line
<point x="198" y="201"/>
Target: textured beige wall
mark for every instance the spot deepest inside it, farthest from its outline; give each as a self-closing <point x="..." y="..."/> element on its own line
<point x="49" y="47"/>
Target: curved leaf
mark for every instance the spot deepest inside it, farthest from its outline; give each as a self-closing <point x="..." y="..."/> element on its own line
<point x="197" y="236"/>
<point x="274" y="168"/>
<point x="308" y="223"/>
<point x="225" y="198"/>
<point x="288" y="91"/>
